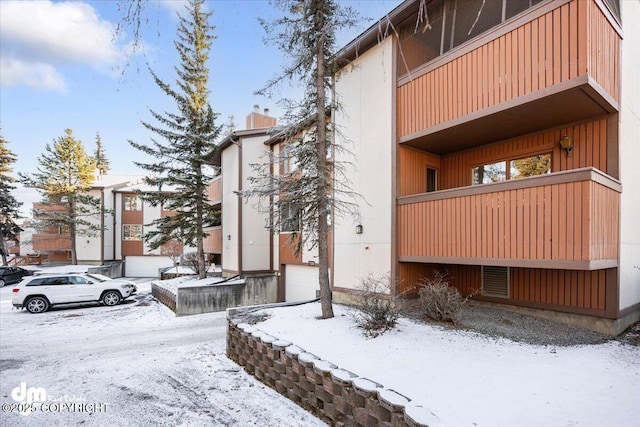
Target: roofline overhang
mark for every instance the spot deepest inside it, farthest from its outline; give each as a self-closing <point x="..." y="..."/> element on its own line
<point x="370" y="36"/>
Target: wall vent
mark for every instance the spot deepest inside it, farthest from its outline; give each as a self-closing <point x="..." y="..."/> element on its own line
<point x="495" y="281"/>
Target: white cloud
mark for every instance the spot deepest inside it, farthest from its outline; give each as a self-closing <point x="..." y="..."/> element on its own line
<point x="174" y="6"/>
<point x="43" y="34"/>
<point x="36" y="75"/>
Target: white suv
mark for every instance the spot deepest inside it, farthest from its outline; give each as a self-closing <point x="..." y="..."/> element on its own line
<point x="38" y="293"/>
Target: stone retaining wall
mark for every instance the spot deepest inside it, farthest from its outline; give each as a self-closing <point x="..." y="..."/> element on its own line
<point x="337" y="396"/>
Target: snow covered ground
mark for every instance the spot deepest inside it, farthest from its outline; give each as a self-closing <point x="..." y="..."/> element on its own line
<point x="135" y="364"/>
<point x="468" y="379"/>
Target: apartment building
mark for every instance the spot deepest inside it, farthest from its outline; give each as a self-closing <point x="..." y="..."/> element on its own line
<point x="497" y="141"/>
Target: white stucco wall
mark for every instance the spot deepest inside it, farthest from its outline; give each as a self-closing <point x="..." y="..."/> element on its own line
<point x="149" y="214"/>
<point x="255" y="237"/>
<point x="118" y="226"/>
<point x="630" y="157"/>
<point x="88" y="249"/>
<point x="365" y="91"/>
<point x="109" y="231"/>
<point x="230" y="208"/>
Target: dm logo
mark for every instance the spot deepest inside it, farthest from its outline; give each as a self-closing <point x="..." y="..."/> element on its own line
<point x="28" y="396"/>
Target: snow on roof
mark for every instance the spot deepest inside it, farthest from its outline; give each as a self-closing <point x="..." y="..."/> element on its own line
<point x="105" y="181"/>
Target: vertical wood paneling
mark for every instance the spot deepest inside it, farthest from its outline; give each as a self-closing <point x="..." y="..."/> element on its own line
<point x="287" y="252"/>
<point x="455" y="169"/>
<point x="583" y="218"/>
<point x="571" y="40"/>
<point x="579" y="289"/>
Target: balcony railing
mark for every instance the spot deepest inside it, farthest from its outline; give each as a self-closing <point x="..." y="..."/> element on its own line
<point x="565" y="220"/>
<point x="556" y="64"/>
<point x="51" y="242"/>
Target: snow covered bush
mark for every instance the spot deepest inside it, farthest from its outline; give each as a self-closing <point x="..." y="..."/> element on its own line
<point x="438" y="299"/>
<point x="378" y="308"/>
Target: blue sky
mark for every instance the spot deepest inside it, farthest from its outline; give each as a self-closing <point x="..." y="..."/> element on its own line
<point x="61" y="67"/>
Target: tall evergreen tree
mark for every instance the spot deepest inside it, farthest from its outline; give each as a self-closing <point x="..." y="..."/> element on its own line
<point x="65" y="175"/>
<point x="9" y="206"/>
<point x="306" y="35"/>
<point x="102" y="163"/>
<point x="189" y="134"/>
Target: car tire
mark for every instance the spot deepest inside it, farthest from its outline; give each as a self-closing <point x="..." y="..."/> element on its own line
<point x="2" y="283"/>
<point x="111" y="298"/>
<point x="37" y="305"/>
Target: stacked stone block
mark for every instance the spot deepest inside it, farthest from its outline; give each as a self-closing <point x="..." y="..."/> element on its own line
<point x="338" y="396"/>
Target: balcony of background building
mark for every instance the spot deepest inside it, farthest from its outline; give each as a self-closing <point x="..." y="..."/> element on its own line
<point x="51" y="242"/>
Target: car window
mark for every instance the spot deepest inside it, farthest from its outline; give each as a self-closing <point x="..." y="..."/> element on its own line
<point x="99" y="277"/>
<point x="38" y="282"/>
<point x="59" y="280"/>
<point x="78" y="280"/>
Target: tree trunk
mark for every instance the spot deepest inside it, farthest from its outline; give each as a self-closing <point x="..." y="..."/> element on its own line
<point x="323" y="184"/>
<point x="72" y="230"/>
<point x="3" y="248"/>
<point x="202" y="271"/>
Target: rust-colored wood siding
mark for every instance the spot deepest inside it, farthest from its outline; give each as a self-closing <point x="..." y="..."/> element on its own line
<point x="51" y="242"/>
<point x="214" y="191"/>
<point x="577" y="290"/>
<point x="213" y="242"/>
<point x="413" y="170"/>
<point x="132" y="247"/>
<point x="131" y="217"/>
<point x="287" y="252"/>
<point x="589" y="142"/>
<point x="566" y="220"/>
<point x="572" y="40"/>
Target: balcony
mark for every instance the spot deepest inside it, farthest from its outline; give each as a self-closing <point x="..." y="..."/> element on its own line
<point x="214" y="191"/>
<point x="566" y="220"/>
<point x="51" y="242"/>
<point x="556" y="64"/>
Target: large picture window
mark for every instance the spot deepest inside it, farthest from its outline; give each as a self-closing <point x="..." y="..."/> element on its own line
<point x="289" y="217"/>
<point x="132" y="232"/>
<point x="524" y="167"/>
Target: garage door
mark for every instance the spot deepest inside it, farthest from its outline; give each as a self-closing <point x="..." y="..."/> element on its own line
<point x="145" y="266"/>
<point x="301" y="282"/>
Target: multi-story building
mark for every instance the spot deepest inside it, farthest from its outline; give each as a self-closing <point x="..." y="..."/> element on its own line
<point x="55" y="242"/>
<point x="497" y="141"/>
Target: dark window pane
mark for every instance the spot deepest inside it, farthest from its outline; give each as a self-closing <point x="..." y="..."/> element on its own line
<point x="474" y="17"/>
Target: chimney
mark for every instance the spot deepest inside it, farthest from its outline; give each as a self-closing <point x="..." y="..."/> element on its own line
<point x="256" y="119"/>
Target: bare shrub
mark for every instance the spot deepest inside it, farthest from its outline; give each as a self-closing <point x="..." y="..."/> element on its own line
<point x="190" y="260"/>
<point x="378" y="308"/>
<point x="439" y="300"/>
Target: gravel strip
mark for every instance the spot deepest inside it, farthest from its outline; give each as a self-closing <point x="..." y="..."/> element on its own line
<point x="500" y="323"/>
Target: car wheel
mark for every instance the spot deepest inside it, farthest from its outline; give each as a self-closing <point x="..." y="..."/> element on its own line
<point x="37" y="305"/>
<point x="111" y="298"/>
<point x="2" y="283"/>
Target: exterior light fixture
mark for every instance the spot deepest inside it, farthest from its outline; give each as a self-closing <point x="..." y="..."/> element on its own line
<point x="566" y="143"/>
<point x="358" y="229"/>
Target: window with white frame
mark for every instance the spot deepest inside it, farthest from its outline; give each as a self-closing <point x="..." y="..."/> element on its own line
<point x="132" y="232"/>
<point x="132" y="203"/>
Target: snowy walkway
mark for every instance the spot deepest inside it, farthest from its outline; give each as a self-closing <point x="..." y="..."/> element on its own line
<point x="147" y="366"/>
